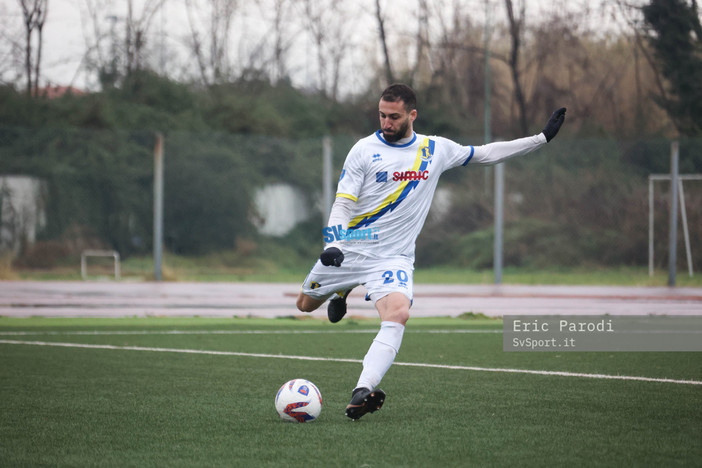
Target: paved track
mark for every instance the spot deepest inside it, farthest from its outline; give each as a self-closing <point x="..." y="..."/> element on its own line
<point x="127" y="299"/>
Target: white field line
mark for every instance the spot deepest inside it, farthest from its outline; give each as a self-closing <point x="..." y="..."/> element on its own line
<point x="224" y="332"/>
<point x="354" y="361"/>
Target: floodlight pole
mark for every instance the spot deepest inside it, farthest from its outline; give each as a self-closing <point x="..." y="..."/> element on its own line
<point x="674" y="181"/>
<point x="158" y="206"/>
<point x="499" y="220"/>
<point x="499" y="168"/>
<point x="650" y="227"/>
<point x="487" y="116"/>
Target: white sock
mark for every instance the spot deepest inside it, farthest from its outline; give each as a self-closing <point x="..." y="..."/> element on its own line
<point x="381" y="354"/>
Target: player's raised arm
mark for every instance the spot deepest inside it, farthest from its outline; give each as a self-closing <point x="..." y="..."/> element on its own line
<point x="493" y="153"/>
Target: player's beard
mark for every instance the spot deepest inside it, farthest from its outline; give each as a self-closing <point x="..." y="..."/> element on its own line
<point x="399" y="134"/>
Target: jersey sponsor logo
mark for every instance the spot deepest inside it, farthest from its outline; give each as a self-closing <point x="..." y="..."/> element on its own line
<point x="410" y="175"/>
<point x="381" y="176"/>
<point x="377" y="157"/>
<point x="337" y="233"/>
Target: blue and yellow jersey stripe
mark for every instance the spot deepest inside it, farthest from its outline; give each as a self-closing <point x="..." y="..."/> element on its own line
<point x="392" y="201"/>
<point x="347" y="195"/>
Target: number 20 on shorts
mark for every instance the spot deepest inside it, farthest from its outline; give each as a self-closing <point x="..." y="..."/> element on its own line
<point x="390" y="276"/>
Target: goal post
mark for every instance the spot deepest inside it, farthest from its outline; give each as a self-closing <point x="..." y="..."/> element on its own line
<point x="683" y="214"/>
<point x="99" y="253"/>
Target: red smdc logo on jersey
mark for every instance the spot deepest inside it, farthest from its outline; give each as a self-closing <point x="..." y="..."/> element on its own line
<point x="410" y="175"/>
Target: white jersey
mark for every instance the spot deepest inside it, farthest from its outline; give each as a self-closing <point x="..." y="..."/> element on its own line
<point x="392" y="186"/>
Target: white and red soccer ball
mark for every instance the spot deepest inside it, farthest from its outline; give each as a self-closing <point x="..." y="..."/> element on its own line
<point x="298" y="400"/>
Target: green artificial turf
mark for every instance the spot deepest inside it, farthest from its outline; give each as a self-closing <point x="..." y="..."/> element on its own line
<point x="73" y="406"/>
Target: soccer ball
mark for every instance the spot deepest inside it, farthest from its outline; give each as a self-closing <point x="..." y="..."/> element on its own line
<point x="298" y="400"/>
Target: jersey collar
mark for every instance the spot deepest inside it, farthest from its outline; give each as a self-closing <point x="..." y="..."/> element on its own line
<point x="412" y="139"/>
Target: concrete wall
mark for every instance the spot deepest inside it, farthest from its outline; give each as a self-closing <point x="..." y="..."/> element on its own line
<point x="22" y="210"/>
<point x="279" y="208"/>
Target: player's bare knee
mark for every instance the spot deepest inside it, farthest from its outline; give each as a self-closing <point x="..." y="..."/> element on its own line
<point x="400" y="316"/>
<point x="306" y="303"/>
<point x="394" y="308"/>
<point x="301" y="305"/>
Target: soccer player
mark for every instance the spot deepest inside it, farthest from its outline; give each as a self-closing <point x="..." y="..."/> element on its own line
<point x="382" y="199"/>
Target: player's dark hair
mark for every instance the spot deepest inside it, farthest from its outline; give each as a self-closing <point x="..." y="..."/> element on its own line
<point x="400" y="92"/>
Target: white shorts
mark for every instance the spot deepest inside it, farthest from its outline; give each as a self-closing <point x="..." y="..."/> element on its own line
<point x="379" y="276"/>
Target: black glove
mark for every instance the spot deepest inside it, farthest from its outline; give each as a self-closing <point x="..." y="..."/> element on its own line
<point x="554" y="124"/>
<point x="332" y="257"/>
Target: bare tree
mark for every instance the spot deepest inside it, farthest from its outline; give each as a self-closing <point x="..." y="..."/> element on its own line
<point x="455" y="59"/>
<point x="34" y="14"/>
<point x="137" y="26"/>
<point x="211" y="47"/>
<point x="11" y="51"/>
<point x="102" y="54"/>
<point x="328" y="24"/>
<point x="281" y="10"/>
<point x="516" y="31"/>
<point x="113" y="52"/>
<point x="314" y="14"/>
<point x="384" y="42"/>
<point x="422" y="61"/>
<point x="273" y="50"/>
